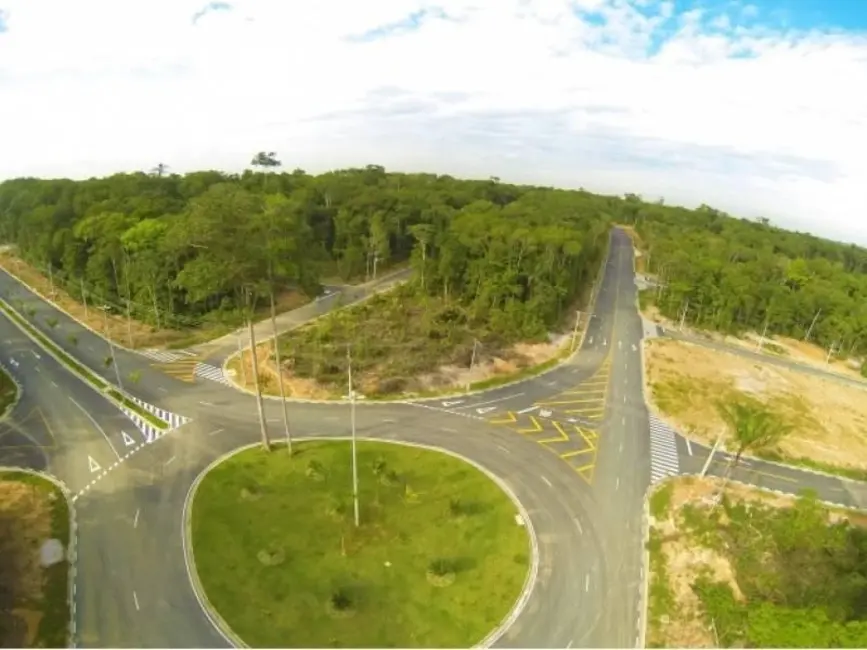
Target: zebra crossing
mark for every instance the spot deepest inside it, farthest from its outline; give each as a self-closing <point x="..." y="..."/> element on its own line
<point x="184" y="365"/>
<point x="150" y="432"/>
<point x="663" y="450"/>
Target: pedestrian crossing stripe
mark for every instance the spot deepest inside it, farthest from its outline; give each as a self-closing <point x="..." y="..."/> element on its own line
<point x="664" y="460"/>
<point x="173" y="420"/>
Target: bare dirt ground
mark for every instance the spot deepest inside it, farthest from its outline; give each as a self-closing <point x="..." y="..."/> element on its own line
<point x="133" y="334"/>
<point x="25" y="523"/>
<point x="520" y="356"/>
<point x="829" y="420"/>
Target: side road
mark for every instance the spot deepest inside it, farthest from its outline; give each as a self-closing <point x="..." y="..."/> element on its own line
<point x="221" y="348"/>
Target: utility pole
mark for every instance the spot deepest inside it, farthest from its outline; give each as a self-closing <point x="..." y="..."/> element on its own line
<point x="241" y="358"/>
<point x="280" y="374"/>
<point x="111" y="349"/>
<point x="762" y="338"/>
<point x="83" y="297"/>
<point x="352" y="424"/>
<point x="575" y="330"/>
<point x="831" y="351"/>
<point x="51" y="280"/>
<point x="266" y="442"/>
<point x="713" y="449"/>
<point x="810" y="329"/>
<point x="683" y="315"/>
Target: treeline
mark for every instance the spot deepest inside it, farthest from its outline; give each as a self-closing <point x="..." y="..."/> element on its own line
<point x="734" y="275"/>
<point x="180" y="249"/>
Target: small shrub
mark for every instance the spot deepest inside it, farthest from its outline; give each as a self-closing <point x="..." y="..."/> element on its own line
<point x="107" y="361"/>
<point x="341" y="604"/>
<point x="52" y="322"/>
<point x="441" y="572"/>
<point x="73" y="339"/>
<point x="315" y="471"/>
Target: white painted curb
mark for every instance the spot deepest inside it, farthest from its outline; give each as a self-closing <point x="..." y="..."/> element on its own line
<point x="234" y="640"/>
<point x="72" y="547"/>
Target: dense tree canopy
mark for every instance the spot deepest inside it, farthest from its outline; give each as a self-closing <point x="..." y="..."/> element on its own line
<point x="180" y="248"/>
<point x="733" y="275"/>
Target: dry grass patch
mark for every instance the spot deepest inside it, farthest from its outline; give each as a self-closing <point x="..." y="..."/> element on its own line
<point x="33" y="589"/>
<point x="133" y="333"/>
<point x="828" y="420"/>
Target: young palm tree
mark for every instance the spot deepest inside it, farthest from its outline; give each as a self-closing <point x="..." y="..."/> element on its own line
<point x="752" y="426"/>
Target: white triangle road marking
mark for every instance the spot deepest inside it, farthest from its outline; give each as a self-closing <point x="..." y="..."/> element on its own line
<point x="94" y="466"/>
<point x="453" y="403"/>
<point x="127" y="439"/>
<point x="486" y="409"/>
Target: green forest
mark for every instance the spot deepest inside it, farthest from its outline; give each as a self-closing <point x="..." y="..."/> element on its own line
<point x="800" y="575"/>
<point x="733" y="275"/>
<point x="182" y="250"/>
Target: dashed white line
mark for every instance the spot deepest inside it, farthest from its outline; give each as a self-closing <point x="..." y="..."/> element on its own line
<point x="617" y="484"/>
<point x="587" y="582"/>
<point x="207" y="403"/>
<point x="54" y="384"/>
<point x="493" y="401"/>
<point x="503" y="449"/>
<point x="688" y="447"/>
<point x="215" y="432"/>
<point x="547" y="482"/>
<point x="623" y="420"/>
<point x="169" y="461"/>
<point x="135" y="600"/>
<point x="578" y="524"/>
<point x="450" y="430"/>
<point x="135" y="519"/>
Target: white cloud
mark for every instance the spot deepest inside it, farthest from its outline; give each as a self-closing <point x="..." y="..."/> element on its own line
<point x="607" y="94"/>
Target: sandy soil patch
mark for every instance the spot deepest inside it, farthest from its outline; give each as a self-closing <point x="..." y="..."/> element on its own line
<point x="520" y="356"/>
<point x="829" y="420"/>
<point x="25" y="523"/>
<point x="133" y="333"/>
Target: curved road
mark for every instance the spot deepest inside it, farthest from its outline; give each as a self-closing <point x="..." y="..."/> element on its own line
<point x="573" y="444"/>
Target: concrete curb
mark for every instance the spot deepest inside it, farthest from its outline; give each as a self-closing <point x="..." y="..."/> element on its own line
<point x="234" y="640"/>
<point x="72" y="547"/>
<point x="567" y="358"/>
<point x="19" y="391"/>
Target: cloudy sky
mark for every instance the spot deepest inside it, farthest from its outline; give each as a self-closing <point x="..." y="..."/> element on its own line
<point x="756" y="108"/>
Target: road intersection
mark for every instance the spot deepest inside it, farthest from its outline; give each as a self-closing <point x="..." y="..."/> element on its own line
<point x="576" y="445"/>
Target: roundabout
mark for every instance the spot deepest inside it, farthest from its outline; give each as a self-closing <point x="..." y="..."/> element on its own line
<point x="443" y="556"/>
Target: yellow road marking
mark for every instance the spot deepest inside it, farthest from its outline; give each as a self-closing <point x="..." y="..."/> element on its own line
<point x="586" y="411"/>
<point x="564" y="437"/>
<point x="537" y="427"/>
<point x="572" y="454"/>
<point x="587" y="472"/>
<point x="511" y="418"/>
<point x="590" y="440"/>
<point x="183" y="369"/>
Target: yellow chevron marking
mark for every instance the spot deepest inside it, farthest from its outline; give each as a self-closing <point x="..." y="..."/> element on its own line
<point x="537" y="427"/>
<point x="510" y="418"/>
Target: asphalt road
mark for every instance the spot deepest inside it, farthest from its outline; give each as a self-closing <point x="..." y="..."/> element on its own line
<point x="584" y="499"/>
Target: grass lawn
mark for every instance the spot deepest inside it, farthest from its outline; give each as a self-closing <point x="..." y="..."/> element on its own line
<point x="438" y="561"/>
<point x="34" y="612"/>
<point x="8" y="391"/>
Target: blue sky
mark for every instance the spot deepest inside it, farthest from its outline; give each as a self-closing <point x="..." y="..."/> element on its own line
<point x="752" y="107"/>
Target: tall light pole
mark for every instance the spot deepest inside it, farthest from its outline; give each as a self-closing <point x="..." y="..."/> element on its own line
<point x="812" y="324"/>
<point x="254" y="360"/>
<point x="575" y="330"/>
<point x="111" y="347"/>
<point x="352" y="424"/>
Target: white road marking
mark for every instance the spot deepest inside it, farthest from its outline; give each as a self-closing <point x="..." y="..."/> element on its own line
<point x="580" y="529"/>
<point x="135" y="600"/>
<point x="207" y="403"/>
<point x="621" y="446"/>
<point x="450" y="430"/>
<point x="127" y="439"/>
<point x="96" y="424"/>
<point x="504" y="449"/>
<point x="215" y="432"/>
<point x="169" y="461"/>
<point x="35" y="354"/>
<point x="390" y="420"/>
<point x="527" y="410"/>
<point x="587" y="582"/>
<point x="493" y="401"/>
<point x="623" y="420"/>
<point x="617" y="484"/>
<point x="135" y="520"/>
<point x="688" y="447"/>
<point x="273" y="420"/>
<point x="571" y="641"/>
<point x="55" y="385"/>
<point x="165" y="390"/>
<point x="93" y="465"/>
<point x="547" y="482"/>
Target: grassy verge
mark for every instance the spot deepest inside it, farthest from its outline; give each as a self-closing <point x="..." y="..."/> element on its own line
<point x="34" y="510"/>
<point x="8" y="392"/>
<point x="438" y="561"/>
<point x="755" y="571"/>
<point x="80" y="370"/>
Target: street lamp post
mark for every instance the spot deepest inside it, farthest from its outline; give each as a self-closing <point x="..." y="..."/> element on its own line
<point x="111" y="347"/>
<point x="352" y="425"/>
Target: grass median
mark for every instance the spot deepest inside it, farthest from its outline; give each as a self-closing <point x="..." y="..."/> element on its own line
<point x="34" y="570"/>
<point x="80" y="370"/>
<point x="438" y="561"/>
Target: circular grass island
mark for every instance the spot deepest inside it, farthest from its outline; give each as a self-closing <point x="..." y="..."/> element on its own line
<point x="439" y="559"/>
